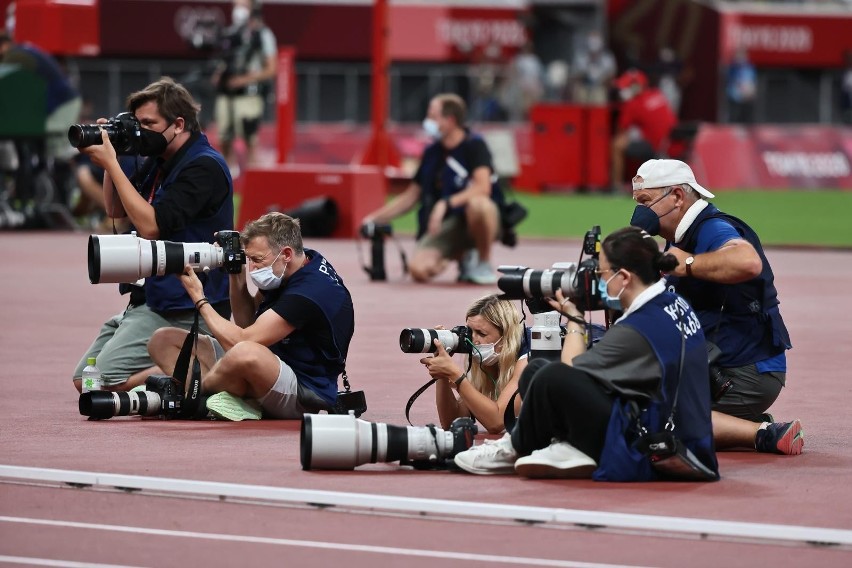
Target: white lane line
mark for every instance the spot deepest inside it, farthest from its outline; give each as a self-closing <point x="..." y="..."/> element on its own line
<point x="29" y="561"/>
<point x="649" y="524"/>
<point x="336" y="546"/>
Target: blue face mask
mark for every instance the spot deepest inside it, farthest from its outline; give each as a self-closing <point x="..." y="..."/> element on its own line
<point x="645" y="218"/>
<point x="609" y="302"/>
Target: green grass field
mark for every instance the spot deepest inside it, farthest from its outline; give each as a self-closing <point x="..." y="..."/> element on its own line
<point x="811" y="218"/>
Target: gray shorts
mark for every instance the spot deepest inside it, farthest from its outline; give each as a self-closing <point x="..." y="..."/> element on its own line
<point x="752" y="392"/>
<point x="121" y="346"/>
<point x="287" y="399"/>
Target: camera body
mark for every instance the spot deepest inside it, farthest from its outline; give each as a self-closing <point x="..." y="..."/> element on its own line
<point x="233" y="255"/>
<point x="123" y="130"/>
<point x="458" y="339"/>
<point x="170" y="393"/>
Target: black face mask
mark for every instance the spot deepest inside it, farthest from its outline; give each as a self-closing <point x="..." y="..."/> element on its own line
<point x="153" y="143"/>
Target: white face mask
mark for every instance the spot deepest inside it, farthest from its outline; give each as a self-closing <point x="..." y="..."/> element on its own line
<point x="240" y="15"/>
<point x="487" y="353"/>
<point x="265" y="278"/>
<point x="431" y="128"/>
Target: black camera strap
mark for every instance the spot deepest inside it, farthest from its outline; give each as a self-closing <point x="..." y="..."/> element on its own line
<point x="415" y="396"/>
<point x="193" y="404"/>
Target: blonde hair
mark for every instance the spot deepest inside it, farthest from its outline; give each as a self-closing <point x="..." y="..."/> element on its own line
<point x="279" y="229"/>
<point x="503" y="315"/>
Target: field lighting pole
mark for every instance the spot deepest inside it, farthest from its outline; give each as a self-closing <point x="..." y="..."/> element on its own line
<point x="379" y="151"/>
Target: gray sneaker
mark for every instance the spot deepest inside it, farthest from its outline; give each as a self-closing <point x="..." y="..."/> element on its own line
<point x="482" y="274"/>
<point x="467" y="262"/>
<point x="492" y="457"/>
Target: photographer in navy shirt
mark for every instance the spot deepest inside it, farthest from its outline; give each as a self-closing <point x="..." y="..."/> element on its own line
<point x="287" y="345"/>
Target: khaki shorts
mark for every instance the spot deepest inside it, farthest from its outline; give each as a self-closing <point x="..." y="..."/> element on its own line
<point x="453" y="240"/>
<point x="232" y="114"/>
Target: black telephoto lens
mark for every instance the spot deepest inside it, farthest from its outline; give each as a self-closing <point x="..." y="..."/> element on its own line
<point x="84" y="135"/>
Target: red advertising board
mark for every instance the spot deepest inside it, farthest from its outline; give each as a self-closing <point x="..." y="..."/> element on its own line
<point x="337" y="31"/>
<point x="788" y="40"/>
<point x="773" y="157"/>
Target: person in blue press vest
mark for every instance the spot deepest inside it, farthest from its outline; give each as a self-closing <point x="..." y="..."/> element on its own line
<point x="725" y="275"/>
<point x="287" y="345"/>
<point x="650" y="365"/>
<point x="182" y="192"/>
<point x="458" y="195"/>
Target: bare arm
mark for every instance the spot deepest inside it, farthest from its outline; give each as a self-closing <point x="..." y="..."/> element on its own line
<point x="736" y="261"/>
<point x="267" y="329"/>
<point x="140" y="212"/>
<point x="112" y="204"/>
<point x="402" y="203"/>
<point x="243" y="304"/>
<point x="575" y="334"/>
<point x="480" y="184"/>
<point x="487" y="411"/>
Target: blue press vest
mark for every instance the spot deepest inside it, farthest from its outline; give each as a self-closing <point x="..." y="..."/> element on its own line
<point x="314" y="368"/>
<point x="434" y="170"/>
<point x="657" y="321"/>
<point x="749" y="328"/>
<point x="164" y="293"/>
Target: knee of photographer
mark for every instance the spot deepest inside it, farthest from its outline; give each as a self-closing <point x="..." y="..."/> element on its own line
<point x="182" y="192"/>
<point x="288" y="341"/>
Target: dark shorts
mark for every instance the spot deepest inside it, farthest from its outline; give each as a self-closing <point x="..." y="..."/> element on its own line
<point x="752" y="392"/>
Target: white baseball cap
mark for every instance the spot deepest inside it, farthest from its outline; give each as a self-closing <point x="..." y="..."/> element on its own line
<point x="663" y="173"/>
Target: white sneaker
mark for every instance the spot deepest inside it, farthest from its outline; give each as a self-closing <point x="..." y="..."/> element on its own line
<point x="559" y="460"/>
<point x="492" y="457"/>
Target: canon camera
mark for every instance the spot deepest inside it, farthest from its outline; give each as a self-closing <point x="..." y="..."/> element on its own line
<point x="455" y="340"/>
<point x="123" y="130"/>
<point x="127" y="258"/>
<point x="577" y="281"/>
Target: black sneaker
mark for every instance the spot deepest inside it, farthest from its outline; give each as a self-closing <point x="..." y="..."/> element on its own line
<point x="785" y="438"/>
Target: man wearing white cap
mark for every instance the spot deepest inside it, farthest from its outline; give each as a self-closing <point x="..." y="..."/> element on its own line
<point x="725" y="275"/>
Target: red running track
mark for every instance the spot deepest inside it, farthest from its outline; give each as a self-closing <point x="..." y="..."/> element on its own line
<point x="50" y="313"/>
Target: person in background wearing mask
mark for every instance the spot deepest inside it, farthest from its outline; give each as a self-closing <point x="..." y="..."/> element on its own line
<point x="571" y="423"/>
<point x="249" y="61"/>
<point x="725" y="275"/>
<point x="287" y="345"/>
<point x="645" y="121"/>
<point x="498" y="356"/>
<point x="593" y="70"/>
<point x="459" y="198"/>
<point x="183" y="193"/>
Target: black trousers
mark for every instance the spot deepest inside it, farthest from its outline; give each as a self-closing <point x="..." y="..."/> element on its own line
<point x="562" y="403"/>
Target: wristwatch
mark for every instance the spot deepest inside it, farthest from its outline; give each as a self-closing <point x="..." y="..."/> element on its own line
<point x="688" y="262"/>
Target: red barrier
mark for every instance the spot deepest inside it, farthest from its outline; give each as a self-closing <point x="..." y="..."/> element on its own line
<point x="773" y="157"/>
<point x="356" y="190"/>
<point x="285" y="99"/>
<point x="60" y="28"/>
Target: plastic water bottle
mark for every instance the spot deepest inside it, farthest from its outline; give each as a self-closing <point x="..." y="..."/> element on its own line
<point x="92" y="377"/>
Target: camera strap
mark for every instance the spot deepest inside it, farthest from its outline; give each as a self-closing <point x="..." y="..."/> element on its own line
<point x="415" y="396"/>
<point x="193" y="404"/>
